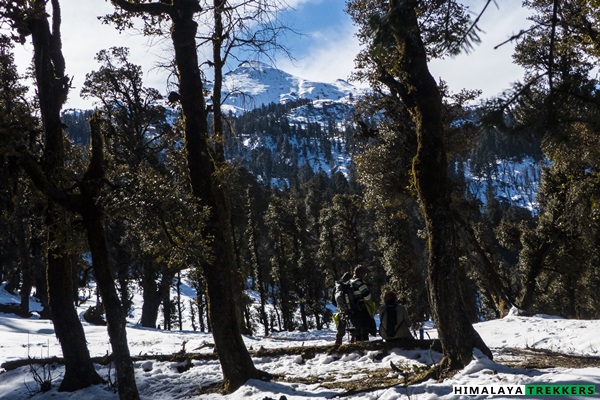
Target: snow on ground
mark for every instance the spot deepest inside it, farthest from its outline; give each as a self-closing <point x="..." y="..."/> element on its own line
<point x="22" y="338"/>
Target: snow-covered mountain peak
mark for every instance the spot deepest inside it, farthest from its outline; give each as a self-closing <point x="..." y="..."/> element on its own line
<point x="254" y="65"/>
<point x="253" y="84"/>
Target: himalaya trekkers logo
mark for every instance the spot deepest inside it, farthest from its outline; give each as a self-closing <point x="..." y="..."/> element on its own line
<point x="524" y="390"/>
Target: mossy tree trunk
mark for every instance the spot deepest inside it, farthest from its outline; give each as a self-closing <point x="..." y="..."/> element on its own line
<point x="154" y="292"/>
<point x="419" y="92"/>
<point x="218" y="139"/>
<point x="52" y="85"/>
<point x="204" y="170"/>
<point x="220" y="274"/>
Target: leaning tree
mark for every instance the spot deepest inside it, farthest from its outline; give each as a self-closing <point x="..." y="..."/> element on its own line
<point x="400" y="37"/>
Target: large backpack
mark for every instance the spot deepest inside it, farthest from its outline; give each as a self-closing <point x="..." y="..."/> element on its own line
<point x="389" y="324"/>
<point x="390" y="327"/>
<point x="343" y="296"/>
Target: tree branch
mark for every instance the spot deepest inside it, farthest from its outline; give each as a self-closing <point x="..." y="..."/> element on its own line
<point x="514" y="37"/>
<point x="552" y="46"/>
<point x="37" y="175"/>
<point x="148" y="8"/>
<point x="473" y="26"/>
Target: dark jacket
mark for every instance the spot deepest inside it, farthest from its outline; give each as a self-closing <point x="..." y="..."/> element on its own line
<point x="394" y="322"/>
<point x="361" y="317"/>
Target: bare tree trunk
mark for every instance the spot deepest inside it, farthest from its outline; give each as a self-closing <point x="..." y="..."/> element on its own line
<point x="26" y="263"/>
<point x="154" y="293"/>
<point x="40" y="277"/>
<point x="219" y="141"/>
<point x="207" y="186"/>
<point x="535" y="257"/>
<point x="201" y="303"/>
<point x="179" y="308"/>
<point x="486" y="271"/>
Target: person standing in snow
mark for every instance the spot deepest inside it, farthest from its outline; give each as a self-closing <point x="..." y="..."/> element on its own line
<point x="365" y="308"/>
<point x="341" y="318"/>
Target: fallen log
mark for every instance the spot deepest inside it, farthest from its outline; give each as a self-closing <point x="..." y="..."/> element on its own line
<point x="305" y="351"/>
<point x="386" y="346"/>
<point x="105" y="360"/>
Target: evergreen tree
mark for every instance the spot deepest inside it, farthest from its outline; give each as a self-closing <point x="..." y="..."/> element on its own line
<point x="558" y="102"/>
<point x="205" y="163"/>
<point x="279" y="220"/>
<point x="150" y="238"/>
<point x="398" y="46"/>
<point x="21" y="218"/>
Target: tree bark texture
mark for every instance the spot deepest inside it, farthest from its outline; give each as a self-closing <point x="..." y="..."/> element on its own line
<point x="93" y="219"/>
<point x="535" y="257"/>
<point x="203" y="167"/>
<point x="235" y="360"/>
<point x="26" y="261"/>
<point x="218" y="140"/>
<point x="52" y="87"/>
<point x="491" y="280"/>
<point x="420" y="94"/>
<point x="79" y="369"/>
<point x="154" y="293"/>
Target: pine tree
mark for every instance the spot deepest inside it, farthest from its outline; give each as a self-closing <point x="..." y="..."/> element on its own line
<point x="558" y="103"/>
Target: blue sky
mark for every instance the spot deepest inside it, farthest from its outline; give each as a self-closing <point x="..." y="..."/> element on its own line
<point x="326" y="49"/>
<point x="315" y="19"/>
<point x="324" y="52"/>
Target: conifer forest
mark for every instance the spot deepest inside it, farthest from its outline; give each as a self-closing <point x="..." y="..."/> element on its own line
<point x="152" y="187"/>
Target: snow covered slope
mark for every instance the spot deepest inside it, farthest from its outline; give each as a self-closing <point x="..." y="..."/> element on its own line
<point x="306" y="377"/>
<point x="253" y="84"/>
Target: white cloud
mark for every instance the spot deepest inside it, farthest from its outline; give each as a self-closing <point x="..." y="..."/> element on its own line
<point x="332" y="59"/>
<point x="486" y="68"/>
<point x="83" y="35"/>
<point x="299" y="3"/>
<point x="332" y="52"/>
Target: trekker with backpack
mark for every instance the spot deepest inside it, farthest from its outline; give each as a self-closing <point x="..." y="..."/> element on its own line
<point x="394" y="321"/>
<point x="365" y="308"/>
<point x="343" y="299"/>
